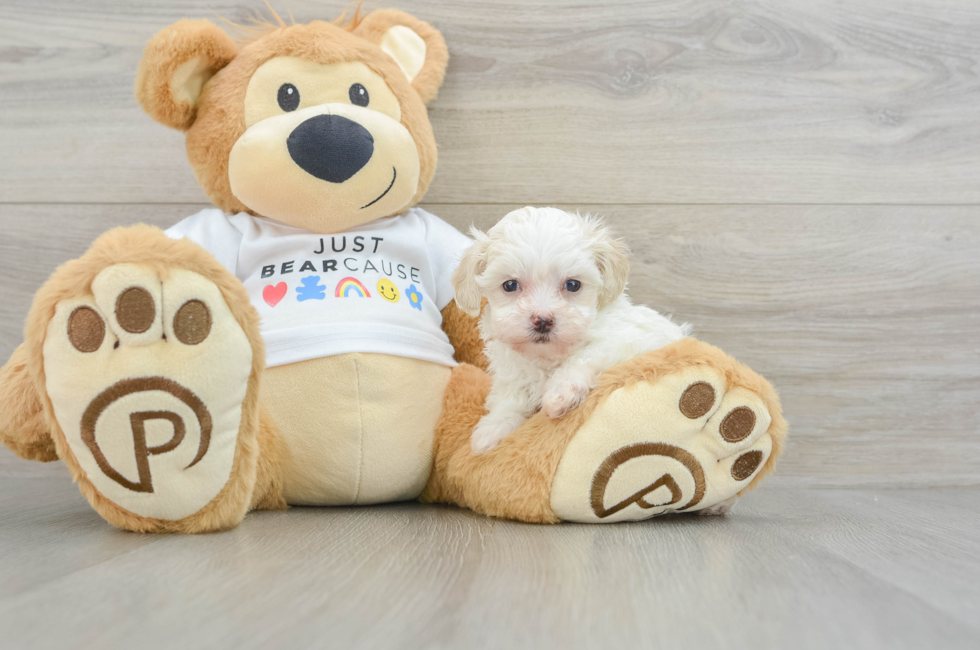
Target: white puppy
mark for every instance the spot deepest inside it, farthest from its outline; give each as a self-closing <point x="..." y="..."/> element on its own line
<point x="556" y="315"/>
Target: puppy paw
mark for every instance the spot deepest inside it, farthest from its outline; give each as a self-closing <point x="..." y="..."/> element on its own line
<point x="562" y="396"/>
<point x="487" y="435"/>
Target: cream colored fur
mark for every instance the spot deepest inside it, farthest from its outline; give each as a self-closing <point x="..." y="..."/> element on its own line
<point x="152" y="250"/>
<point x="644" y="414"/>
<point x="215" y="371"/>
<point x="356" y="428"/>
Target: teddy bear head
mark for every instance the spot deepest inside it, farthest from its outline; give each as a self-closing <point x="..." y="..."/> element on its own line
<point x="321" y="126"/>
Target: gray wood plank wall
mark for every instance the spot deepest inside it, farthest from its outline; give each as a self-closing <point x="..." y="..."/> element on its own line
<point x="800" y="179"/>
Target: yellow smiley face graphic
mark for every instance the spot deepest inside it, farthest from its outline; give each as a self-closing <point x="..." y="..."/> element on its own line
<point x="388" y="290"/>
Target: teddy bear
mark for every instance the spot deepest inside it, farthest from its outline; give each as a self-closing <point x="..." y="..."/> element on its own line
<point x="299" y="343"/>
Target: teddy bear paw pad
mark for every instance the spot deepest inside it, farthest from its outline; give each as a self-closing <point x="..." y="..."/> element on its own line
<point x="147" y="378"/>
<point x="685" y="443"/>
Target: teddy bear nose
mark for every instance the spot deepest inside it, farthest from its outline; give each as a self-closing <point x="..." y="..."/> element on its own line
<point x="330" y="147"/>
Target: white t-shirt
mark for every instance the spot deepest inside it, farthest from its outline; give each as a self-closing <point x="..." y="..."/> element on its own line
<point x="379" y="287"/>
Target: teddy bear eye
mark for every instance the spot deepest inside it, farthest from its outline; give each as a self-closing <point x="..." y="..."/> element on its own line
<point x="510" y="285"/>
<point x="572" y="285"/>
<point x="288" y="97"/>
<point x="359" y="95"/>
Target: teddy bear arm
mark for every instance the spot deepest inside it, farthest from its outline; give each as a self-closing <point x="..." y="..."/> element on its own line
<point x="464" y="334"/>
<point x="23" y="427"/>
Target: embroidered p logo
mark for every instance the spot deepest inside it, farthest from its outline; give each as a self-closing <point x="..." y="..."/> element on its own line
<point x="138" y="420"/>
<point x="603" y="476"/>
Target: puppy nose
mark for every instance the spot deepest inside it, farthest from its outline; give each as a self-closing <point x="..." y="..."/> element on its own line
<point x="330" y="147"/>
<point x="542" y="325"/>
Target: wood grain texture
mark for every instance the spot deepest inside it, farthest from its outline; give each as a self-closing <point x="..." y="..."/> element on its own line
<point x="670" y="118"/>
<point x="865" y="318"/>
<point x="790" y="568"/>
<point x="683" y="101"/>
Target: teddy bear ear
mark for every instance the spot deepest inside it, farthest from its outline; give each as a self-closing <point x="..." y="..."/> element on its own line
<point x="176" y="64"/>
<point x="416" y="46"/>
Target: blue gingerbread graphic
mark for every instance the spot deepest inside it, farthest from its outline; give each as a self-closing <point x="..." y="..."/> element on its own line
<point x="311" y="289"/>
<point x="414" y="297"/>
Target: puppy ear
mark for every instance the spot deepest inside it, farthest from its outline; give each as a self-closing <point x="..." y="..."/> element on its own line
<point x="472" y="264"/>
<point x="416" y="46"/>
<point x="176" y="64"/>
<point x="612" y="258"/>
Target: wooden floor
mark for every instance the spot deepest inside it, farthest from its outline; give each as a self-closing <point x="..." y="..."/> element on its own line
<point x="800" y="179"/>
<point x="791" y="567"/>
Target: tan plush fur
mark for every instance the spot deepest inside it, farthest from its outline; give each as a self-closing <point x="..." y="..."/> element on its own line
<point x="220" y="110"/>
<point x="149" y="247"/>
<point x="269" y="478"/>
<point x="463" y="332"/>
<point x="170" y="48"/>
<point x="427" y="82"/>
<point x="23" y="427"/>
<point x="514" y="480"/>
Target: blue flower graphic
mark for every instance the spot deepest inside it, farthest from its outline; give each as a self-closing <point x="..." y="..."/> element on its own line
<point x="414" y="297"/>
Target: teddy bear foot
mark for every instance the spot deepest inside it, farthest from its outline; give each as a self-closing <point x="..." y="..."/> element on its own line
<point x="687" y="442"/>
<point x="147" y="377"/>
<point x="685" y="428"/>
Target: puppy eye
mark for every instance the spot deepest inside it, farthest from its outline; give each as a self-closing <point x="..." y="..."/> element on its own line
<point x="572" y="285"/>
<point x="288" y="97"/>
<point x="359" y="95"/>
<point x="511" y="285"/>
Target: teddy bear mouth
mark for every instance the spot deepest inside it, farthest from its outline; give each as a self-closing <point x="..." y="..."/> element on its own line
<point x="394" y="175"/>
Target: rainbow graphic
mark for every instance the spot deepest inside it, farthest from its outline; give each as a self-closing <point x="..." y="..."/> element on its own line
<point x="351" y="287"/>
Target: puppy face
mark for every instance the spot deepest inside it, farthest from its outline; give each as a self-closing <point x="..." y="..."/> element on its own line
<point x="545" y="273"/>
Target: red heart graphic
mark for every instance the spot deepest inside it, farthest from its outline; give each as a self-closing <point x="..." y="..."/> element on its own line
<point x="273" y="293"/>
